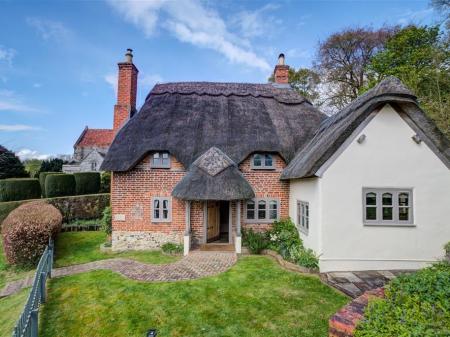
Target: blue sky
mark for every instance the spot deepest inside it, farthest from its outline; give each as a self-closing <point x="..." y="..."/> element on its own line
<point x="58" y="60"/>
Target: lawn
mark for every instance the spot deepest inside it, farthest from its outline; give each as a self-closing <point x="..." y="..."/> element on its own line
<point x="10" y="309"/>
<point x="82" y="247"/>
<point x="9" y="273"/>
<point x="254" y="298"/>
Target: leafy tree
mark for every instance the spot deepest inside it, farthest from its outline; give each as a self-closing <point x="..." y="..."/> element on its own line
<point x="342" y="61"/>
<point x="33" y="167"/>
<point x="52" y="165"/>
<point x="10" y="165"/>
<point x="305" y="81"/>
<point x="420" y="58"/>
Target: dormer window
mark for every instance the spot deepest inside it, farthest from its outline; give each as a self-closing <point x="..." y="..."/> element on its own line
<point x="160" y="160"/>
<point x="263" y="161"/>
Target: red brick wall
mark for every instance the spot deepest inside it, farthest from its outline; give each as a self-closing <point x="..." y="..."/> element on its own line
<point x="134" y="190"/>
<point x="126" y="93"/>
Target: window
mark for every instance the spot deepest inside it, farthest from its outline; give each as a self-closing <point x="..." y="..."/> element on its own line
<point x="303" y="216"/>
<point x="387" y="206"/>
<point x="161" y="209"/>
<point x="263" y="210"/>
<point x="160" y="160"/>
<point x="261" y="161"/>
<point x="93" y="166"/>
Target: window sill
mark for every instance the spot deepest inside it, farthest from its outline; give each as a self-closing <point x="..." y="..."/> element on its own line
<point x="161" y="221"/>
<point x="263" y="168"/>
<point x="389" y="225"/>
<point x="160" y="167"/>
<point x="303" y="231"/>
<point x="260" y="221"/>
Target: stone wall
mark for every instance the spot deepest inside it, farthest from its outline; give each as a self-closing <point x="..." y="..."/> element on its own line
<point x="127" y="240"/>
<point x="343" y="323"/>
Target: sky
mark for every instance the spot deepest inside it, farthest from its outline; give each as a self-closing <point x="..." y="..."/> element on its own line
<point x="58" y="59"/>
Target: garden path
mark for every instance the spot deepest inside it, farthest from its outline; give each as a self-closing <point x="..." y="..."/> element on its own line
<point x="196" y="265"/>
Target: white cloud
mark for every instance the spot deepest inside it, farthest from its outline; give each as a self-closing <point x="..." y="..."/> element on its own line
<point x="111" y="79"/>
<point x="189" y="21"/>
<point x="7" y="55"/>
<point x="48" y="29"/>
<point x="17" y="127"/>
<point x="410" y="16"/>
<point x="256" y="23"/>
<point x="9" y="101"/>
<point x="25" y="154"/>
<point x="298" y="53"/>
<point x="37" y="85"/>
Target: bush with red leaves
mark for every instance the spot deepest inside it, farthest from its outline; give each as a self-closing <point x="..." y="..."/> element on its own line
<point x="26" y="231"/>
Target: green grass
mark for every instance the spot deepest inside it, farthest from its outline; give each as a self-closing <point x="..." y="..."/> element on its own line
<point x="10" y="309"/>
<point x="81" y="247"/>
<point x="254" y="298"/>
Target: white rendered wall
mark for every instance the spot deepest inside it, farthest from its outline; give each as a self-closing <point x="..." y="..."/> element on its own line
<point x="307" y="190"/>
<point x="387" y="158"/>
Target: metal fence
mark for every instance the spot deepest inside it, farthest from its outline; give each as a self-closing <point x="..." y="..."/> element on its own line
<point x="27" y="325"/>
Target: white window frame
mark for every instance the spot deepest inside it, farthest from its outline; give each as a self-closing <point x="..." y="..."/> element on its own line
<point x="161" y="209"/>
<point x="303" y="216"/>
<point x="267" y="209"/>
<point x="163" y="156"/>
<point x="263" y="165"/>
<point x="395" y="221"/>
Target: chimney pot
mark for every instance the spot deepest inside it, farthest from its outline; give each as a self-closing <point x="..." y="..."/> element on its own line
<point x="281" y="59"/>
<point x="129" y="56"/>
<point x="281" y="71"/>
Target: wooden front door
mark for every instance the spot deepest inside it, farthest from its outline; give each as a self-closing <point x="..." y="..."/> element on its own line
<point x="213" y="225"/>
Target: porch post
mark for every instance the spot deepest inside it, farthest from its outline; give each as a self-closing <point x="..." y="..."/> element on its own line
<point x="238" y="241"/>
<point x="230" y="222"/>
<point x="187" y="232"/>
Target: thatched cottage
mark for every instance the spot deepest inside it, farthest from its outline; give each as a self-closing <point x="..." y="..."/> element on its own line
<point x="368" y="187"/>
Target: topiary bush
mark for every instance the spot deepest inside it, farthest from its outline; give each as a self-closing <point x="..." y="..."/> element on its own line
<point x="19" y="189"/>
<point x="87" y="183"/>
<point x="26" y="231"/>
<point x="59" y="185"/>
<point x="42" y="177"/>
<point x="254" y="241"/>
<point x="416" y="305"/>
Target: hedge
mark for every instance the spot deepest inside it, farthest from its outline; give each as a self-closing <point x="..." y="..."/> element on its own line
<point x="59" y="185"/>
<point x="19" y="189"/>
<point x="42" y="177"/>
<point x="72" y="207"/>
<point x="87" y="183"/>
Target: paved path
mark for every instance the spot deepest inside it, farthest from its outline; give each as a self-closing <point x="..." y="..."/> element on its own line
<point x="355" y="283"/>
<point x="196" y="265"/>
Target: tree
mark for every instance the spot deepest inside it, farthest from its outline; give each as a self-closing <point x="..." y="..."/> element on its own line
<point x="420" y="58"/>
<point x="52" y="165"/>
<point x="10" y="165"/>
<point x="33" y="167"/>
<point x="342" y="61"/>
<point x="305" y="81"/>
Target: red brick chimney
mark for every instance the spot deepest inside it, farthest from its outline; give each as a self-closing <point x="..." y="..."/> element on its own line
<point x="126" y="91"/>
<point x="281" y="72"/>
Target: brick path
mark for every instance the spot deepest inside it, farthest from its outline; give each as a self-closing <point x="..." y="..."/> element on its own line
<point x="196" y="265"/>
<point x="355" y="283"/>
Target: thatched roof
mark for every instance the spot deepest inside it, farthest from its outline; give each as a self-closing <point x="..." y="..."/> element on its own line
<point x="213" y="176"/>
<point x="337" y="128"/>
<point x="187" y="119"/>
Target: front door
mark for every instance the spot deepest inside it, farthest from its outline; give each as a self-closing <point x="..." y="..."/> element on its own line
<point x="213" y="225"/>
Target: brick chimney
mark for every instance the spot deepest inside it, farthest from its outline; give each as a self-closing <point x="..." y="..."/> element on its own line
<point x="126" y="91"/>
<point x="281" y="72"/>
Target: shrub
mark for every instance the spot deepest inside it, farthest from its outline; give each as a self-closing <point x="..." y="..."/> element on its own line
<point x="19" y="189"/>
<point x="59" y="185"/>
<point x="254" y="241"/>
<point x="415" y="305"/>
<point x="27" y="229"/>
<point x="284" y="239"/>
<point x="10" y="165"/>
<point x="42" y="177"/>
<point x="87" y="183"/>
<point x="172" y="248"/>
<point x="447" y="249"/>
<point x="107" y="220"/>
<point x="105" y="182"/>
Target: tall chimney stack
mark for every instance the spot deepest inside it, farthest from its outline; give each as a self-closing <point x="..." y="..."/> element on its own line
<point x="126" y="91"/>
<point x="281" y="72"/>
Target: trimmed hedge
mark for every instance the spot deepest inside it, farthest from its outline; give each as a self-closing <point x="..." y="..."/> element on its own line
<point x="19" y="189"/>
<point x="72" y="207"/>
<point x="59" y="185"/>
<point x="26" y="231"/>
<point x="42" y="177"/>
<point x="87" y="183"/>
